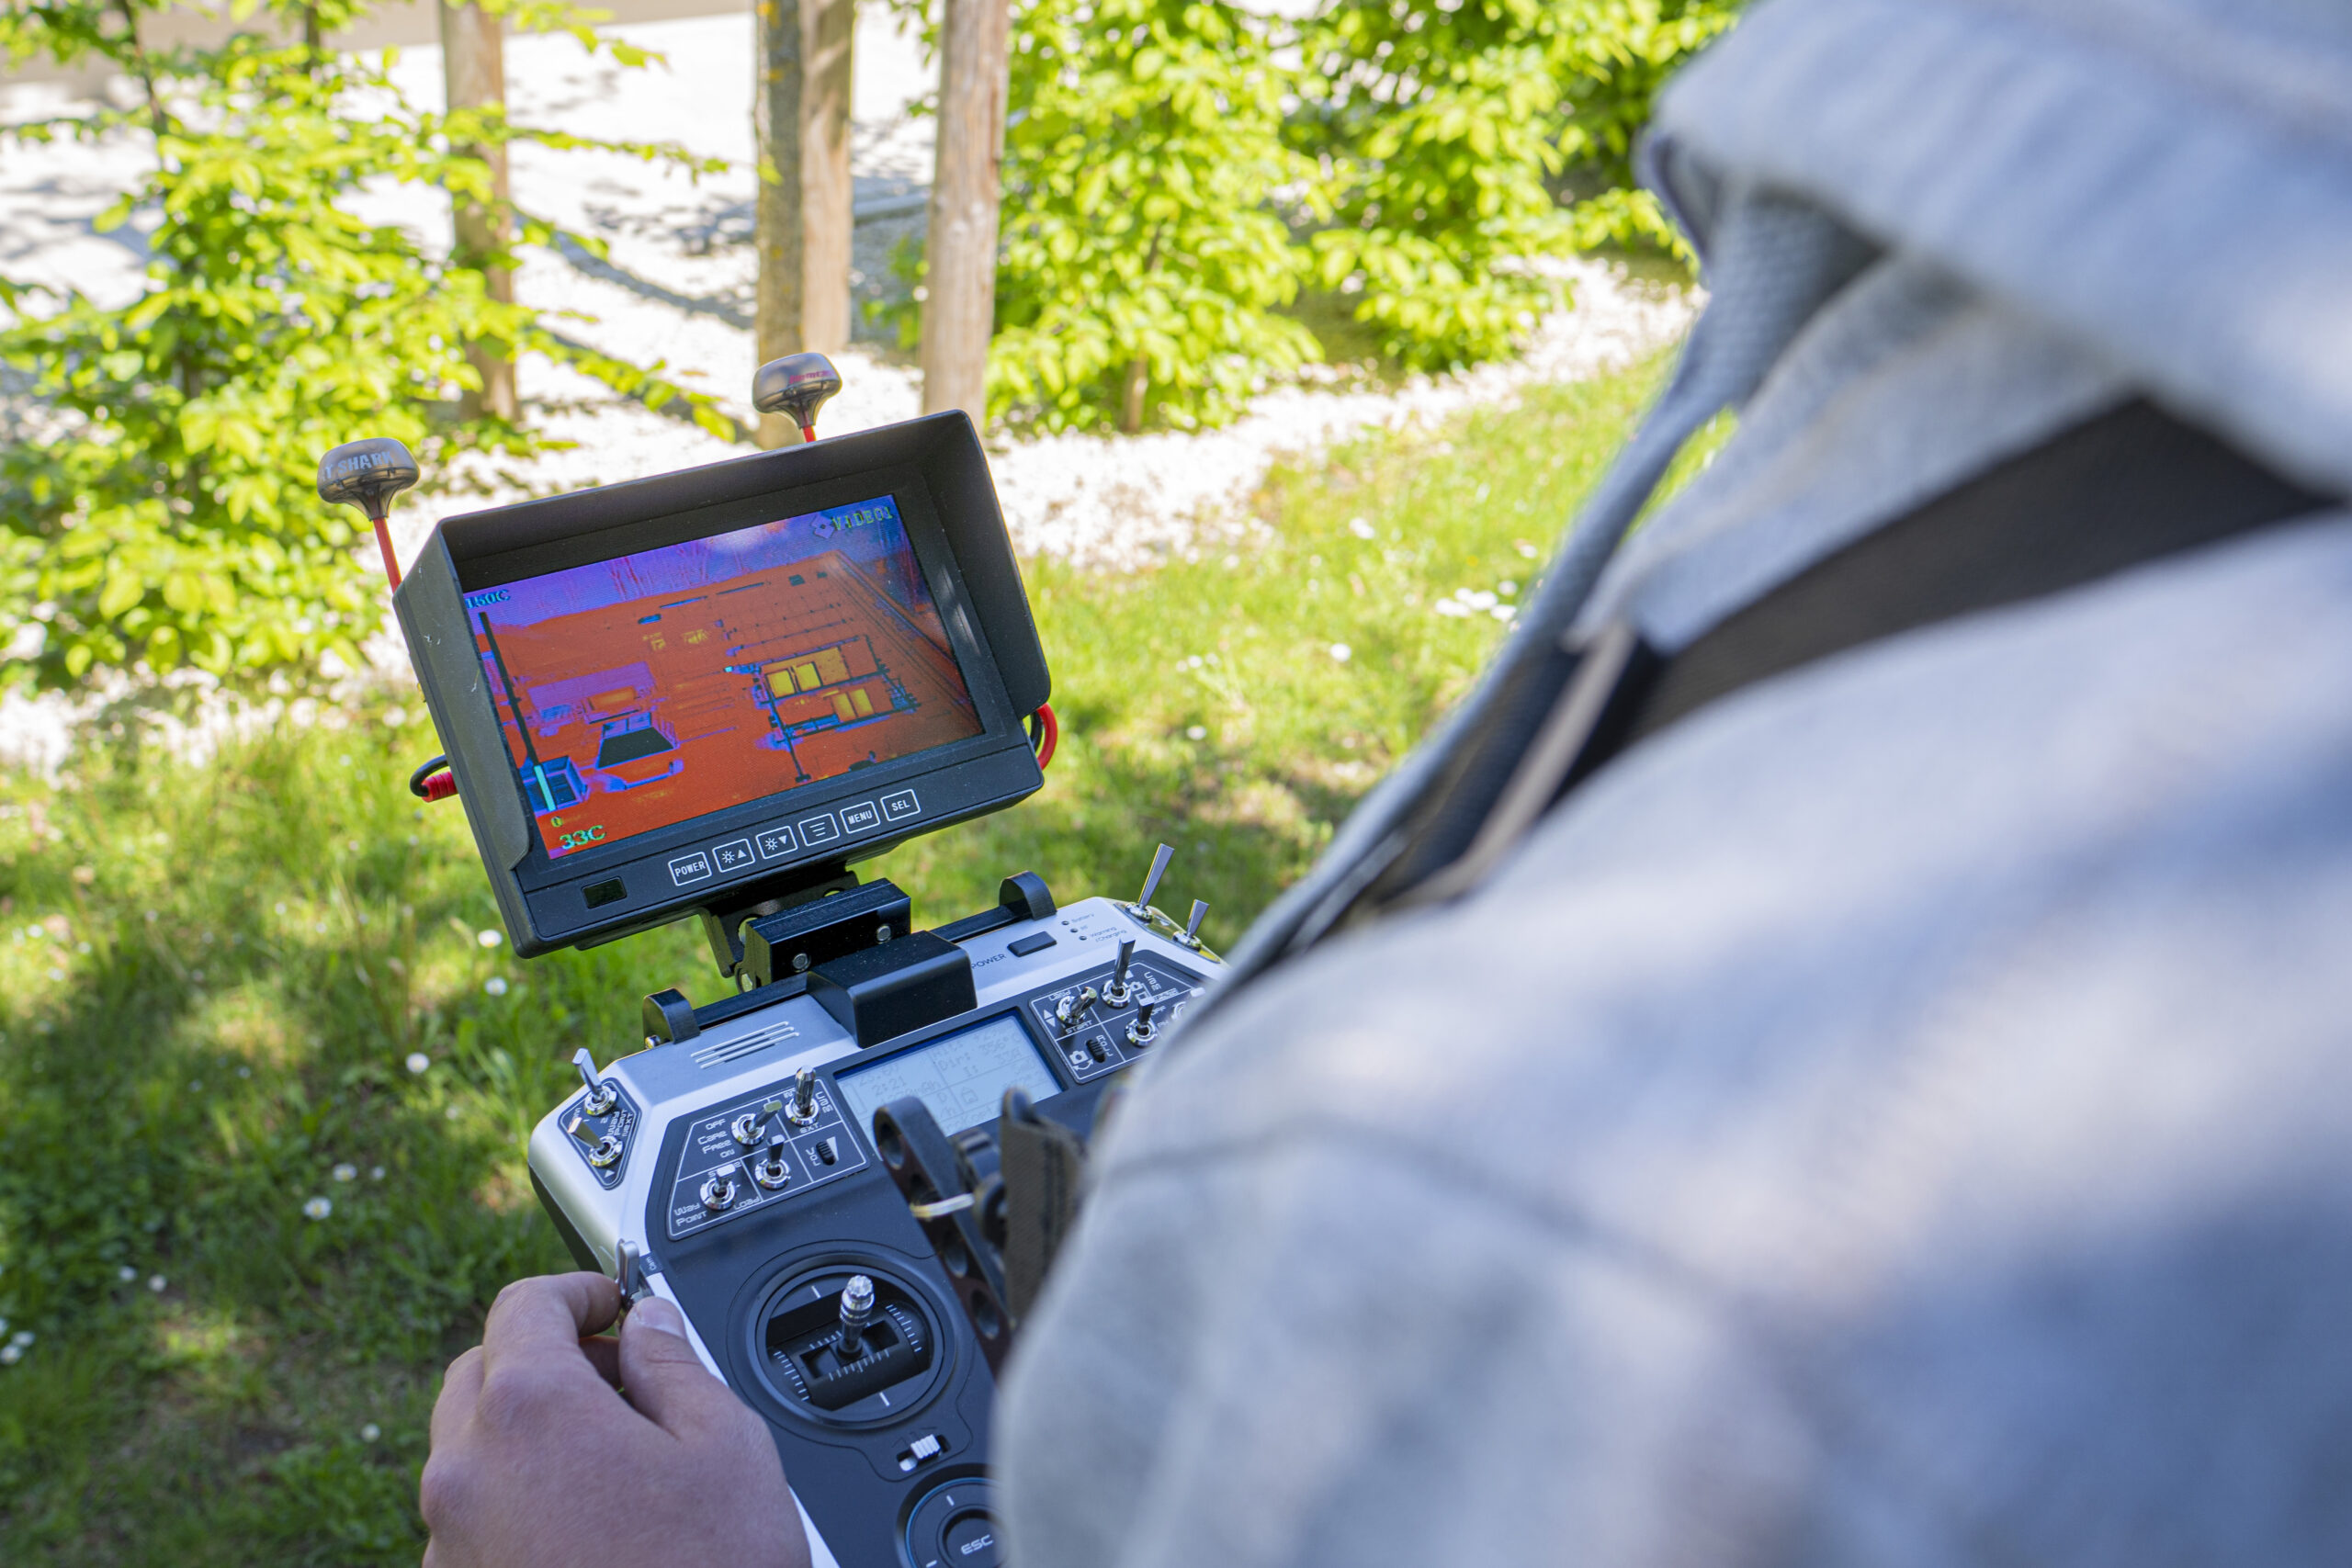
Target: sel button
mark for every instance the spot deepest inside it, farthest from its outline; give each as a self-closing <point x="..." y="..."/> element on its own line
<point x="899" y="807"/>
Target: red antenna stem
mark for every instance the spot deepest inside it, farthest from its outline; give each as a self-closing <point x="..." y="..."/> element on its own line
<point x="384" y="540"/>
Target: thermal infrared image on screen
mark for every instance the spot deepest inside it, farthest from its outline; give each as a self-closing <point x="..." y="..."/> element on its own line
<point x="658" y="687"/>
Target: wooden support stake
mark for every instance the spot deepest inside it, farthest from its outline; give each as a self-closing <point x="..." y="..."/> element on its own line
<point x="960" y="302"/>
<point x="827" y="194"/>
<point x="779" y="230"/>
<point x="801" y="125"/>
<point x="473" y="73"/>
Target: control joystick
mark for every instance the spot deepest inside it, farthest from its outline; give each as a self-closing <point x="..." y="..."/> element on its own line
<point x="857" y="1311"/>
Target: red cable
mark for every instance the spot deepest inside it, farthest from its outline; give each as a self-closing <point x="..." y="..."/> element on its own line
<point x="1049" y="735"/>
<point x="391" y="562"/>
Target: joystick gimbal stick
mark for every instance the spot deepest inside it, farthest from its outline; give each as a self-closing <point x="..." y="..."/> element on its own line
<point x="367" y="474"/>
<point x="796" y="386"/>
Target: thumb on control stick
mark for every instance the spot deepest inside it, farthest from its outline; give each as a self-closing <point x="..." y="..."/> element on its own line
<point x="666" y="1381"/>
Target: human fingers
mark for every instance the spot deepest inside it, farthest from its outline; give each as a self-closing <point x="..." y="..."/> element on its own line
<point x="460" y="1386"/>
<point x="541" y="1320"/>
<point x="665" y="1379"/>
<point x="604" y="1354"/>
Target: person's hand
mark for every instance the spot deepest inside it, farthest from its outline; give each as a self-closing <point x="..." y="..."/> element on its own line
<point x="538" y="1458"/>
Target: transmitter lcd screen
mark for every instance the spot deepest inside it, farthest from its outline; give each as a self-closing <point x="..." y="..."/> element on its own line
<point x="960" y="1079"/>
<point x="655" y="688"/>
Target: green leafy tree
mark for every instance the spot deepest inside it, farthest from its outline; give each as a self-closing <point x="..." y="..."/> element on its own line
<point x="1443" y="122"/>
<point x="1146" y="254"/>
<point x="1454" y="122"/>
<point x="157" y="511"/>
<point x="1611" y="57"/>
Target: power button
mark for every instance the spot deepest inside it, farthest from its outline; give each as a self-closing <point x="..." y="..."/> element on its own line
<point x="952" y="1526"/>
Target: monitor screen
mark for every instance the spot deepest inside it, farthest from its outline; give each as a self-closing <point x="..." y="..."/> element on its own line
<point x="961" y="1079"/>
<point x="651" y="689"/>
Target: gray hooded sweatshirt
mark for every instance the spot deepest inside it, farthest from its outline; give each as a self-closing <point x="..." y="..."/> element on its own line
<point x="1901" y="1112"/>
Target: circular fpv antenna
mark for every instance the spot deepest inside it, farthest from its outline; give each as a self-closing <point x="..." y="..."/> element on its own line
<point x="366" y="474"/>
<point x="796" y="386"/>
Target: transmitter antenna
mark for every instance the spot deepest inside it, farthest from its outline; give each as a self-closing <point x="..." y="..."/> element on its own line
<point x="797" y="385"/>
<point x="367" y="474"/>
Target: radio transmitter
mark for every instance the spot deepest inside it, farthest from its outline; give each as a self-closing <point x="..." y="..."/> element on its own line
<point x="708" y="694"/>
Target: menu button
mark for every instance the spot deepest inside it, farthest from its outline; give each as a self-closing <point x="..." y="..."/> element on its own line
<point x="861" y="818"/>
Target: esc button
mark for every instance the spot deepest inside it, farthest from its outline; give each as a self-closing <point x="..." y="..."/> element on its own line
<point x="971" y="1540"/>
<point x="952" y="1528"/>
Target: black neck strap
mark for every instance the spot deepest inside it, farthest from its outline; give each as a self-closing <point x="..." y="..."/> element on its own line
<point x="2118" y="491"/>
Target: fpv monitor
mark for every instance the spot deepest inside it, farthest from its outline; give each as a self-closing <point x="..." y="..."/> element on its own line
<point x="719" y="683"/>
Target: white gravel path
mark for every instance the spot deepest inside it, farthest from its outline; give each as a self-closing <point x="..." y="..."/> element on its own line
<point x="677" y="289"/>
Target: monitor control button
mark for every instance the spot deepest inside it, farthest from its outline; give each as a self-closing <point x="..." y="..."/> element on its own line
<point x="775" y="843"/>
<point x="899" y="807"/>
<point x="735" y="856"/>
<point x="815" y="830"/>
<point x="862" y="817"/>
<point x="695" y="867"/>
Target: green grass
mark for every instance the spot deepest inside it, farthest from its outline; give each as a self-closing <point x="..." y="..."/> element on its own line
<point x="215" y="979"/>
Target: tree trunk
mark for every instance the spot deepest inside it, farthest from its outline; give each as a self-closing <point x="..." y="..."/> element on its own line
<point x="1139" y="380"/>
<point x="1139" y="374"/>
<point x="779" y="224"/>
<point x="800" y="123"/>
<point x="831" y="27"/>
<point x="959" y="302"/>
<point x="473" y="74"/>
